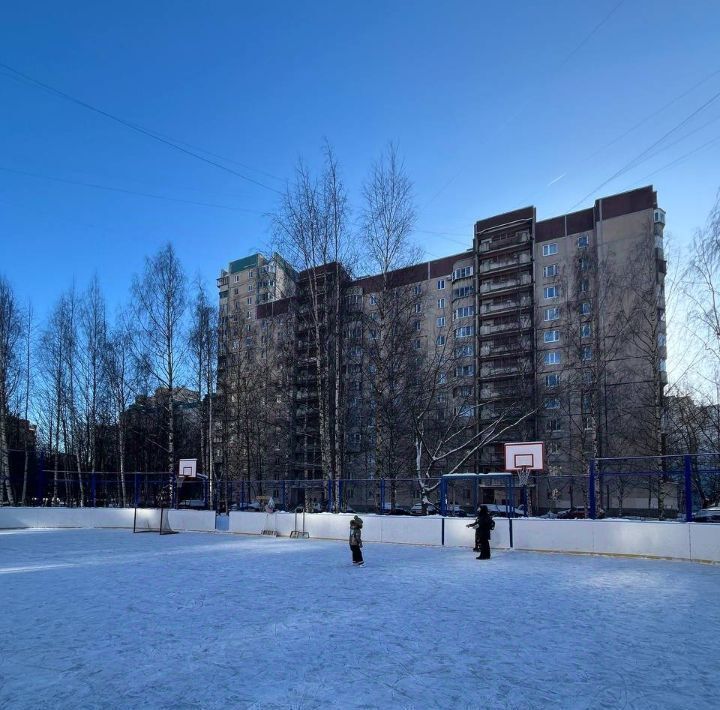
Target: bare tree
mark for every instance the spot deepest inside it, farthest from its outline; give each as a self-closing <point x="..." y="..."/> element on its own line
<point x="160" y="303"/>
<point x="10" y="334"/>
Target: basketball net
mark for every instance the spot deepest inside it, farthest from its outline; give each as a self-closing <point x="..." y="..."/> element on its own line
<point x="523" y="475"/>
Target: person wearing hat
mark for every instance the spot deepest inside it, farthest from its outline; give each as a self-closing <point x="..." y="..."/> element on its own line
<point x="483" y="525"/>
<point x="356" y="541"/>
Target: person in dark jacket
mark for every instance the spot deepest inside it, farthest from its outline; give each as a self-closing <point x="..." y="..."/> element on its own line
<point x="356" y="541"/>
<point x="483" y="525"/>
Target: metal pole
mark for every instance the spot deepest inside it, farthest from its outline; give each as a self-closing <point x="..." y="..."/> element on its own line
<point x="510" y="506"/>
<point x="593" y="509"/>
<point x="687" y="465"/>
<point x="92" y="488"/>
<point x="135" y="477"/>
<point x="382" y="496"/>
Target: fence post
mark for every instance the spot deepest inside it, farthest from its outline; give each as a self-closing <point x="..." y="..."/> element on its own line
<point x="136" y="489"/>
<point x="92" y="488"/>
<point x="40" y="482"/>
<point x="687" y="466"/>
<point x="382" y="496"/>
<point x="340" y="491"/>
<point x="593" y="507"/>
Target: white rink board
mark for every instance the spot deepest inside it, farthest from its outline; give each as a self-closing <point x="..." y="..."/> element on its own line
<point x="195" y="520"/>
<point x="704" y="542"/>
<point x="415" y="531"/>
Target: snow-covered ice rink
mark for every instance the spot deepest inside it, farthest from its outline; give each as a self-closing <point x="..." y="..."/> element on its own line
<point x="108" y="619"/>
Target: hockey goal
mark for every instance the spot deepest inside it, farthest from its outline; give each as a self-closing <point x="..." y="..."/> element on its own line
<point x="154" y="520"/>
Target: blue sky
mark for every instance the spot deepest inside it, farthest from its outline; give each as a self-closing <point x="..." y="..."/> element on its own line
<point x="489" y="102"/>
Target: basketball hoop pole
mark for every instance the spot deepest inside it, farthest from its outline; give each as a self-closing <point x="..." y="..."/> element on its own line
<point x="523" y="478"/>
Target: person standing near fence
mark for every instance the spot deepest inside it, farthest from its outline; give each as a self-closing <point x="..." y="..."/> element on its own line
<point x="483" y="525"/>
<point x="356" y="541"/>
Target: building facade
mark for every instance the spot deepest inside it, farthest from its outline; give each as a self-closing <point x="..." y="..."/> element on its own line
<point x="548" y="330"/>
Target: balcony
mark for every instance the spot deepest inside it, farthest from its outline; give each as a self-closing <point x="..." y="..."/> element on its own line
<point x="497" y="285"/>
<point x="489" y="370"/>
<point x="506" y="305"/>
<point x="510" y="262"/>
<point x="490" y="350"/>
<point x="519" y="239"/>
<point x="223" y="281"/>
<point x="515" y="325"/>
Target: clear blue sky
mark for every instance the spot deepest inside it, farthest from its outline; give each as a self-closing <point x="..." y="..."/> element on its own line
<point x="489" y="102"/>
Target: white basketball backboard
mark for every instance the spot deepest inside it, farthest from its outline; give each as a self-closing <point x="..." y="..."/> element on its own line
<point x="521" y="455"/>
<point x="188" y="468"/>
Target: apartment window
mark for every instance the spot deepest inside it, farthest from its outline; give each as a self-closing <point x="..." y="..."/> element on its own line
<point x="585" y="330"/>
<point x="462" y="292"/>
<point x="583" y="263"/>
<point x="236" y="291"/>
<point x="584" y="285"/>
<point x="586" y="403"/>
<point x="551" y="336"/>
<point x="553" y="425"/>
<point x="550" y="292"/>
<point x="417" y="344"/>
<point x="585" y="308"/>
<point x="552" y="380"/>
<point x="662" y="366"/>
<point x="463" y="272"/>
<point x="586" y="353"/>
<point x="440" y="321"/>
<point x="441" y="378"/>
<point x="588" y="423"/>
<point x="465" y="371"/>
<point x="587" y="377"/>
<point x="465" y="351"/>
<point x="418" y="308"/>
<point x="550" y="271"/>
<point x="417" y="325"/>
<point x="440" y="340"/>
<point x="373" y="300"/>
<point x="373" y="334"/>
<point x="552" y="403"/>
<point x="465" y="332"/>
<point x="554" y="447"/>
<point x="464" y="312"/>
<point x="252" y="273"/>
<point x="441" y="284"/>
<point x="249" y="301"/>
<point x="441" y="303"/>
<point x="661" y="339"/>
<point x="552" y="357"/>
<point x="550" y="249"/>
<point x="583" y="241"/>
<point x="551" y="314"/>
<point x="248" y="328"/>
<point x="417" y="290"/>
<point x="251" y="287"/>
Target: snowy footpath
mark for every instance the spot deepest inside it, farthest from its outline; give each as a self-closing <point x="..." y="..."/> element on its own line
<point x="108" y="619"/>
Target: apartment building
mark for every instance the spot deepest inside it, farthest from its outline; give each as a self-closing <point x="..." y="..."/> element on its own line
<point x="559" y="321"/>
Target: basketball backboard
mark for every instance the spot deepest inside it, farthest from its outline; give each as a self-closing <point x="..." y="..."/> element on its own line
<point x="524" y="455"/>
<point x="188" y="468"/>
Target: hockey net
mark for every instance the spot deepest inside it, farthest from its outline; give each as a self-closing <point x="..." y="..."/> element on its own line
<point x="154" y="520"/>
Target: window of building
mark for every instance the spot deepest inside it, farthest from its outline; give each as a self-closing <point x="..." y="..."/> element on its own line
<point x="440" y="322"/>
<point x="584" y="285"/>
<point x="441" y="284"/>
<point x="464" y="312"/>
<point x="465" y="371"/>
<point x="588" y="423"/>
<point x="585" y="330"/>
<point x="662" y="366"/>
<point x="441" y="378"/>
<point x="465" y="332"/>
<point x="553" y="425"/>
<point x="418" y="308"/>
<point x="373" y="334"/>
<point x="662" y="339"/>
<point x="550" y="292"/>
<point x="251" y="287"/>
<point x="440" y="340"/>
<point x="252" y="273"/>
<point x="417" y="325"/>
<point x="584" y="263"/>
<point x="417" y="344"/>
<point x="585" y="308"/>
<point x="552" y="357"/>
<point x="249" y="301"/>
<point x="552" y="403"/>
<point x="236" y="278"/>
<point x="373" y="299"/>
<point x="550" y="271"/>
<point x="463" y="272"/>
<point x="551" y="336"/>
<point x="586" y="353"/>
<point x="551" y="314"/>
<point x="465" y="350"/>
<point x="552" y="380"/>
<point x="550" y="249"/>
<point x="462" y="292"/>
<point x="582" y="241"/>
<point x="417" y="289"/>
<point x="441" y="303"/>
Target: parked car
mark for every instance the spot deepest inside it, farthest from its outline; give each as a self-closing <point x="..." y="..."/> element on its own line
<point x="456" y="511"/>
<point x="417" y="509"/>
<point x="708" y="515"/>
<point x="398" y="511"/>
<point x="579" y="514"/>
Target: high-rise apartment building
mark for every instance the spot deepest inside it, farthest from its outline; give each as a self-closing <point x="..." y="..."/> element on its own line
<point x="550" y="330"/>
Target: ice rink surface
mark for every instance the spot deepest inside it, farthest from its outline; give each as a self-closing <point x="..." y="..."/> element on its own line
<point x="108" y="619"/>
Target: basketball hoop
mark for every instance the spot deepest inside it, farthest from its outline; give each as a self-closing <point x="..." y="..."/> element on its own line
<point x="523" y="476"/>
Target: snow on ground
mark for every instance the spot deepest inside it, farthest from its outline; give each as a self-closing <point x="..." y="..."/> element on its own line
<point x="108" y="619"/>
